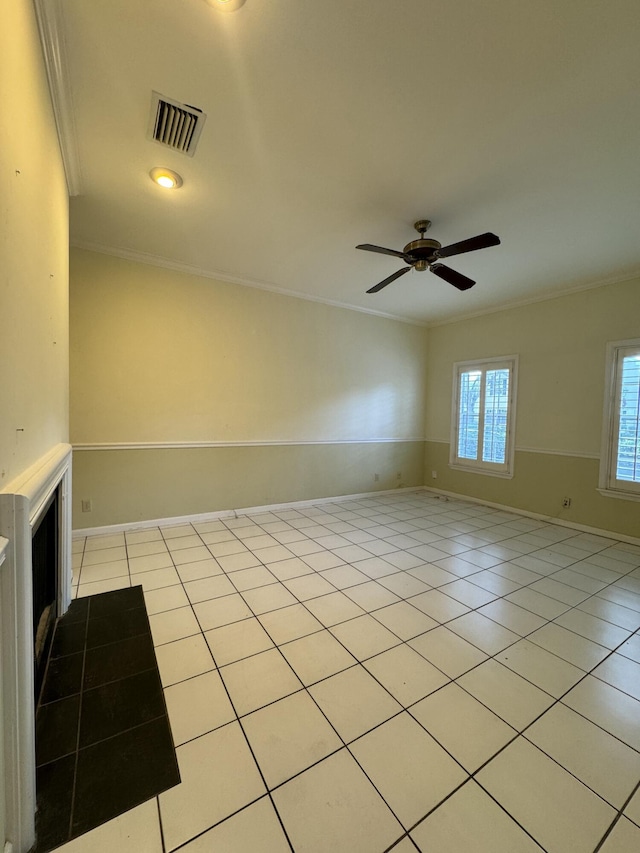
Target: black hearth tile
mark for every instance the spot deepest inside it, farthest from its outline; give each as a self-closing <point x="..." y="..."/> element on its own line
<point x="110" y="603"/>
<point x="118" y="774"/>
<point x="118" y="660"/>
<point x="68" y="638"/>
<point x="120" y="705"/>
<point x="57" y="729"/>
<point x="63" y="678"/>
<point x="77" y="611"/>
<point x="54" y="784"/>
<point x="119" y="626"/>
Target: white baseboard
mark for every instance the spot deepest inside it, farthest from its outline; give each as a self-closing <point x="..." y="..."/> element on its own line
<point x="257" y="510"/>
<point x="561" y="522"/>
<point x="231" y="513"/>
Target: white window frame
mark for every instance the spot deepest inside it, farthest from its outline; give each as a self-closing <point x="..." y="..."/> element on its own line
<point x="608" y="484"/>
<point x="493" y="469"/>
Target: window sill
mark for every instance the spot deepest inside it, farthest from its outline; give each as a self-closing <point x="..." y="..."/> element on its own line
<point x="470" y="469"/>
<point x="615" y="493"/>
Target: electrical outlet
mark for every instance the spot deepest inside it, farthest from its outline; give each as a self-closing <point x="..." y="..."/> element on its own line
<point x="434" y="475"/>
<point x="566" y="502"/>
<point x="376" y="477"/>
<point x="87" y="506"/>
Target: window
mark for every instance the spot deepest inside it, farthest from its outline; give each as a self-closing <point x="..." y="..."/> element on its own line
<point x="620" y="457"/>
<point x="483" y="416"/>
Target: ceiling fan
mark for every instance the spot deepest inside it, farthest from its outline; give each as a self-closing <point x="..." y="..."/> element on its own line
<point x="424" y="254"/>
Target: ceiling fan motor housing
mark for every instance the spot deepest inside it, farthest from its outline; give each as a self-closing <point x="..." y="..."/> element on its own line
<point x="421" y="252"/>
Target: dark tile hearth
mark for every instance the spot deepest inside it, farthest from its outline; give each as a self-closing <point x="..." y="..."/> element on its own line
<point x="103" y="741"/>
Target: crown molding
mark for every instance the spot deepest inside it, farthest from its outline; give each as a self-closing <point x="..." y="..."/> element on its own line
<point x="543" y="297"/>
<point x="189" y="269"/>
<point x="49" y="17"/>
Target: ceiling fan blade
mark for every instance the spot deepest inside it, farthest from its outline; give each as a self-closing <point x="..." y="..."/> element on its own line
<point x="388" y="280"/>
<point x="482" y="241"/>
<point x="452" y="277"/>
<point x="381" y="250"/>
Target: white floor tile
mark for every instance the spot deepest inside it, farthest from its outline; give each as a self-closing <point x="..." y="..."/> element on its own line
<point x="290" y="623"/>
<point x="405" y="674"/>
<point x="540" y="667"/>
<point x="446" y="650"/>
<point x="509" y="615"/>
<point x="440" y="607"/>
<point x="219" y="776"/>
<point x="411" y="771"/>
<point x="624" y="838"/>
<point x="606" y="706"/>
<point x="545" y="799"/>
<point x="103" y="572"/>
<point x="238" y="640"/>
<point x="221" y="611"/>
<point x="592" y="628"/>
<point x="463" y="726"/>
<point x="143" y="549"/>
<point x="166" y="598"/>
<point x="286" y="569"/>
<point x="404" y="620"/>
<point x="103" y="586"/>
<point x="333" y="806"/>
<point x="309" y="586"/>
<point x="201" y="569"/>
<point x="150" y="562"/>
<point x="620" y="672"/>
<point x="371" y="596"/>
<point x="471" y="821"/>
<point x="428" y="572"/>
<point x="258" y="680"/>
<point x="571" y="647"/>
<point x="197" y="706"/>
<point x="183" y="659"/>
<point x="207" y="588"/>
<point x="256" y="827"/>
<point x="354" y="702"/>
<point x="288" y="736"/>
<point x="155" y="579"/>
<point x="601" y="761"/>
<point x="173" y="625"/>
<point x="504" y="692"/>
<point x="317" y="656"/>
<point x="334" y="608"/>
<point x="483" y="633"/>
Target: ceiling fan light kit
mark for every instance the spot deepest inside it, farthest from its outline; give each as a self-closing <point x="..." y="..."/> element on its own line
<point x="226" y="5"/>
<point x="425" y="253"/>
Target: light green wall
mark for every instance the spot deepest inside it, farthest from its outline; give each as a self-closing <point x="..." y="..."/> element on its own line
<point x="33" y="275"/>
<point x="132" y="485"/>
<point x="561" y="344"/>
<point x="33" y="254"/>
<point x="159" y="356"/>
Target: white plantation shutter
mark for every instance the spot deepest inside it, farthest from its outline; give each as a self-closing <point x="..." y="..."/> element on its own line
<point x="628" y="450"/>
<point x="482" y="416"/>
<point x="620" y="454"/>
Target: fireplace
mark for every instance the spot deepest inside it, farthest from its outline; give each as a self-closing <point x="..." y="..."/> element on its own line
<point x="44" y="563"/>
<point x="35" y="519"/>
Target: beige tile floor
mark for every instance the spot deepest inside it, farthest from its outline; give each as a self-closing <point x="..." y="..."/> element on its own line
<point x="398" y="673"/>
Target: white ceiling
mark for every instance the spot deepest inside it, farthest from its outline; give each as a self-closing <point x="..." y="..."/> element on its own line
<point x="337" y="122"/>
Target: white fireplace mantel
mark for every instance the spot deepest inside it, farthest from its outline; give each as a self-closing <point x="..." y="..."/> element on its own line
<point x="21" y="504"/>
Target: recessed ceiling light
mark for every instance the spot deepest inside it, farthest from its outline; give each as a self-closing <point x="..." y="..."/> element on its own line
<point x="226" y="5"/>
<point x="166" y="178"/>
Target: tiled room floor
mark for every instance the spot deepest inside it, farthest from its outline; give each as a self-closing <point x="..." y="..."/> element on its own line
<point x="397" y="672"/>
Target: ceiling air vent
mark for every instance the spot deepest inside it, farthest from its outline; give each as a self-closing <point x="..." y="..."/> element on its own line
<point x="176" y="125"/>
